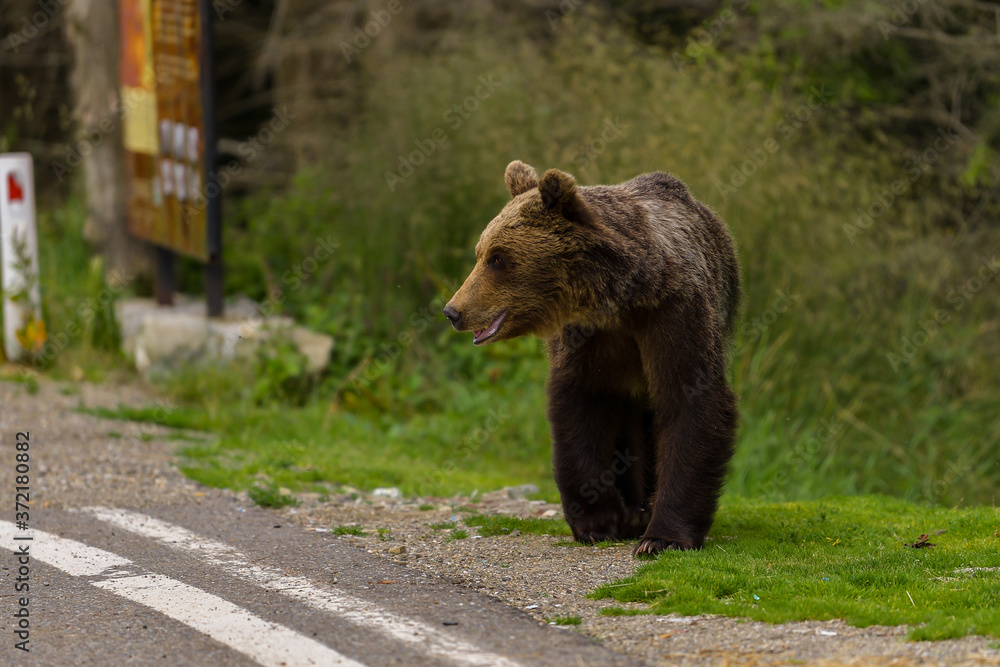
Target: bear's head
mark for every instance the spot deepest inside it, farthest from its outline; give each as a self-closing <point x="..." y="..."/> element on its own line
<point x="524" y="260"/>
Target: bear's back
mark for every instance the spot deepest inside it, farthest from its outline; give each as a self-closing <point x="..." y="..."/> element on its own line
<point x="683" y="240"/>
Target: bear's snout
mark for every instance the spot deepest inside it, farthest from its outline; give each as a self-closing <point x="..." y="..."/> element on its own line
<point x="453" y="316"/>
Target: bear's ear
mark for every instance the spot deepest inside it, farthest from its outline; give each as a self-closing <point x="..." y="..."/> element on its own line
<point x="520" y="177"/>
<point x="558" y="190"/>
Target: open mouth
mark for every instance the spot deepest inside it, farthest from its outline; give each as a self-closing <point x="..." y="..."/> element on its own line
<point x="482" y="335"/>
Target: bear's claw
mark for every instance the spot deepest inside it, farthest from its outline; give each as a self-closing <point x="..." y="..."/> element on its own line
<point x="650" y="546"/>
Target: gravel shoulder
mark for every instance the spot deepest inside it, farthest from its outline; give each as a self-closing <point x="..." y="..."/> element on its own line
<point x="542" y="575"/>
<point x="549" y="578"/>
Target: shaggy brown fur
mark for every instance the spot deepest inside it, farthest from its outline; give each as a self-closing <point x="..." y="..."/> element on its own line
<point x="636" y="287"/>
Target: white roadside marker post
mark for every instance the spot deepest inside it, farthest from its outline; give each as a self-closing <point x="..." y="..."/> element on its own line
<point x="23" y="329"/>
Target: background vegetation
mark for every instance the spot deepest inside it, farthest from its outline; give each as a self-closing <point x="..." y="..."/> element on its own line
<point x="850" y="146"/>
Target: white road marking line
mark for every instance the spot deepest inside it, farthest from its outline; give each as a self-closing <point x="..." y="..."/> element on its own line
<point x="70" y="556"/>
<point x="265" y="642"/>
<point x="357" y="610"/>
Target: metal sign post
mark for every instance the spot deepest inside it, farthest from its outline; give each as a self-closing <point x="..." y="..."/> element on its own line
<point x="213" y="268"/>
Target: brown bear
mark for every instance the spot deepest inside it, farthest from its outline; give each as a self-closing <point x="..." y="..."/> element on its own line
<point x="636" y="287"/>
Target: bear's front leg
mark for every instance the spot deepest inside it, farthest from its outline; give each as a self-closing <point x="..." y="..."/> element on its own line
<point x="695" y="427"/>
<point x="585" y="427"/>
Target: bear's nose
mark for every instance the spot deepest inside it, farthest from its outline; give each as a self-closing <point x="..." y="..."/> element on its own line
<point x="453" y="315"/>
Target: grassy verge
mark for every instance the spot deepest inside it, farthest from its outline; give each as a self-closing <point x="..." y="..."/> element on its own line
<point x="842" y="558"/>
<point x="461" y="443"/>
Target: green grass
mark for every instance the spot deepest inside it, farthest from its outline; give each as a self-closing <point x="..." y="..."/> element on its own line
<point x="428" y="439"/>
<point x="25" y="378"/>
<point x="458" y="534"/>
<point x="498" y="525"/>
<point x="179" y="417"/>
<point x="564" y="620"/>
<point x="443" y="525"/>
<point x="271" y="496"/>
<point x="355" y="530"/>
<point x="619" y="611"/>
<point x="837" y="558"/>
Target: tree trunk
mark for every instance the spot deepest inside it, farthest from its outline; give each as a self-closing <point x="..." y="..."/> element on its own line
<point x="92" y="30"/>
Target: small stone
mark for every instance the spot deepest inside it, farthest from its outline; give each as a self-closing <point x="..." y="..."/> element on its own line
<point x="387" y="492"/>
<point x="521" y="491"/>
<point x="396" y="550"/>
<point x="549" y="514"/>
<point x="515" y="533"/>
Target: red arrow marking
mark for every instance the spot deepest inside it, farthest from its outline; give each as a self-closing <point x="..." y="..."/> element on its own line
<point x="14" y="189"/>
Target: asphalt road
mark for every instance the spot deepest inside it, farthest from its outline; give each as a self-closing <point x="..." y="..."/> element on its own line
<point x="131" y="563"/>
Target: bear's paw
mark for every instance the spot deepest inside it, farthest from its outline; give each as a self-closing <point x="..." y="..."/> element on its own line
<point x="650" y="546"/>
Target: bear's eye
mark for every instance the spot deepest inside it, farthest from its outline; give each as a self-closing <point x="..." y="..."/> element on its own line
<point x="496" y="260"/>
